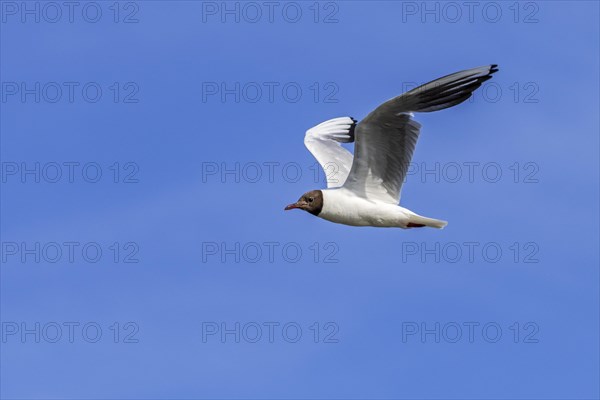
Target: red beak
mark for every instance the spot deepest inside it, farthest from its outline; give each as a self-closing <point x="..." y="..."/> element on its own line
<point x="291" y="206"/>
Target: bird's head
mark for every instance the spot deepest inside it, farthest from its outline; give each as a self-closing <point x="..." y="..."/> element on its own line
<point x="310" y="201"/>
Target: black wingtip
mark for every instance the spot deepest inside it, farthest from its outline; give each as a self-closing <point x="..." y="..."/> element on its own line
<point x="352" y="129"/>
<point x="494" y="68"/>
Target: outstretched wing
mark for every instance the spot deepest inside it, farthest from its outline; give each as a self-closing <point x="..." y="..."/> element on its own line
<point x="382" y="154"/>
<point x="386" y="138"/>
<point x="323" y="141"/>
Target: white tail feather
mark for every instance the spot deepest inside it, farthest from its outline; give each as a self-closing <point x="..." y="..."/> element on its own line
<point x="433" y="223"/>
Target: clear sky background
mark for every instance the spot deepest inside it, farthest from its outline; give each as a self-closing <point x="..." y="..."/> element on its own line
<point x="399" y="314"/>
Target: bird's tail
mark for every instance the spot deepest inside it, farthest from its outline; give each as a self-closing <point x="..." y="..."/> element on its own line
<point x="447" y="91"/>
<point x="417" y="221"/>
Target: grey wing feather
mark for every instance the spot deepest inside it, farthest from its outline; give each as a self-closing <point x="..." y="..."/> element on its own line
<point x="386" y="138"/>
<point x="382" y="154"/>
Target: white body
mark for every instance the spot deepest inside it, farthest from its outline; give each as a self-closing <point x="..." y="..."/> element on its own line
<point x="342" y="206"/>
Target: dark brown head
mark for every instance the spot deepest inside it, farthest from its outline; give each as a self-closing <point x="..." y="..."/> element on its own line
<point x="310" y="201"/>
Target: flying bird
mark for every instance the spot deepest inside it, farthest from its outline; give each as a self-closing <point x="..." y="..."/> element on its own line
<point x="365" y="188"/>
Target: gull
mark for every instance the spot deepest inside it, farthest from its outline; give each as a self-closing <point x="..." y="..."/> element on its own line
<point x="364" y="189"/>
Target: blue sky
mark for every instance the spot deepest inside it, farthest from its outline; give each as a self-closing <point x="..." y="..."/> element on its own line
<point x="194" y="118"/>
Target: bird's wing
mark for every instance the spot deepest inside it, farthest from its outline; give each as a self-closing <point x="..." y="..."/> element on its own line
<point x="382" y="153"/>
<point x="323" y="141"/>
<point x="386" y="138"/>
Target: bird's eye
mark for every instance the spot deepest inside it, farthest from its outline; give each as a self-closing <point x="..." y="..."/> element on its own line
<point x="310" y="199"/>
